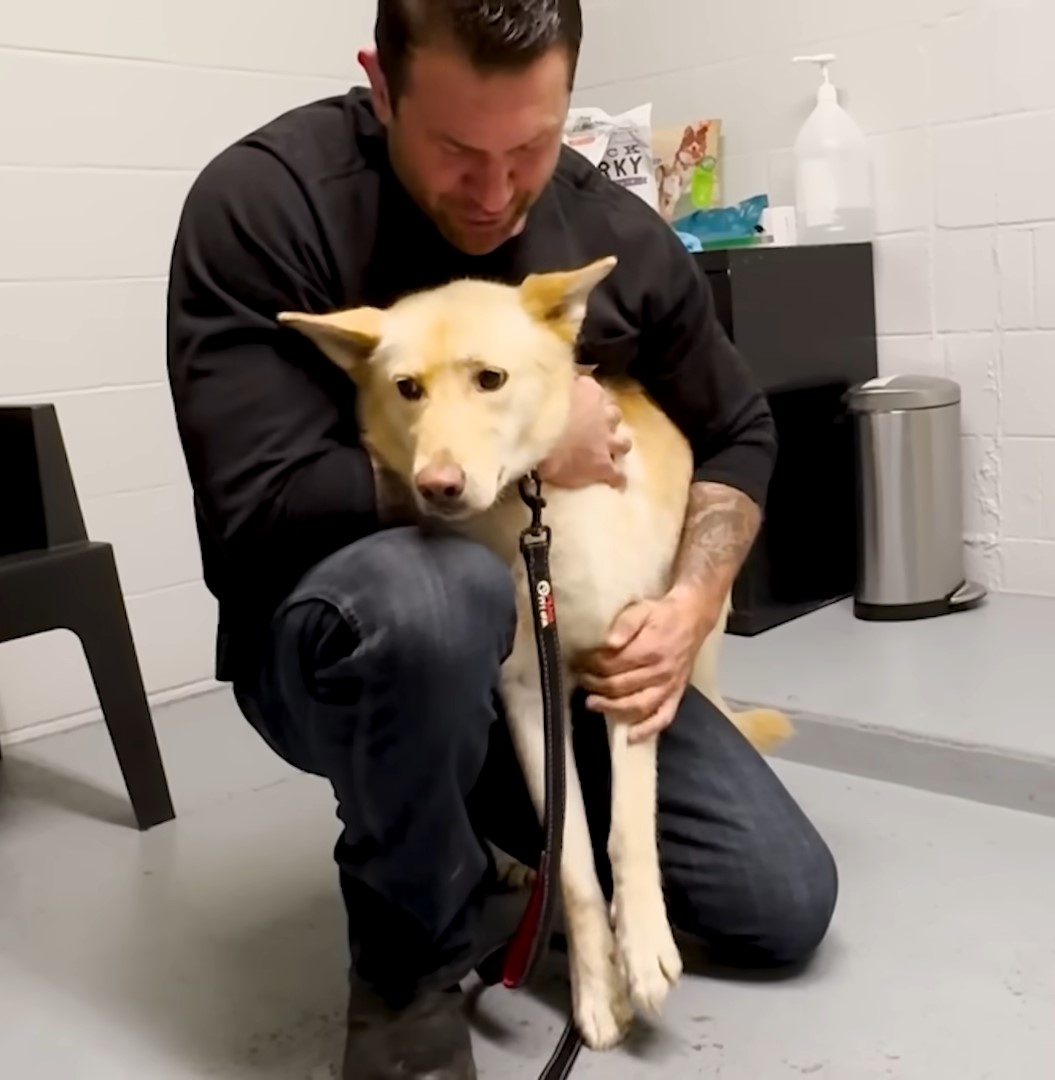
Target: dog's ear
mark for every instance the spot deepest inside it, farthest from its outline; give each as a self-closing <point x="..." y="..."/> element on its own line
<point x="559" y="300"/>
<point x="348" y="338"/>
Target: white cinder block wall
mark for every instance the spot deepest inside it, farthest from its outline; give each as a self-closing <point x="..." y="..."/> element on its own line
<point x="958" y="97"/>
<point x="111" y="108"/>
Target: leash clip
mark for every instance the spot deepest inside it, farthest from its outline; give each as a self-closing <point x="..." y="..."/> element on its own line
<point x="531" y="493"/>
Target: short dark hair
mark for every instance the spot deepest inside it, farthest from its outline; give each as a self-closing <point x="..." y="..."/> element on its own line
<point x="494" y="35"/>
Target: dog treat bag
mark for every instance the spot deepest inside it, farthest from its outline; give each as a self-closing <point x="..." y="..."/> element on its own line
<point x="620" y="146"/>
<point x="687" y="161"/>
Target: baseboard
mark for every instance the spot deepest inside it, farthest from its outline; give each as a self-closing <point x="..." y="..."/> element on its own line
<point x="981" y="774"/>
<point x="94" y="716"/>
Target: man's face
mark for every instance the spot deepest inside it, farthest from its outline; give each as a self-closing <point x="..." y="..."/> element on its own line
<point x="475" y="150"/>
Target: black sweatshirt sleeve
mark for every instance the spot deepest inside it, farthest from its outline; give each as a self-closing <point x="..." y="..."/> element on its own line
<point x="280" y="479"/>
<point x="700" y="380"/>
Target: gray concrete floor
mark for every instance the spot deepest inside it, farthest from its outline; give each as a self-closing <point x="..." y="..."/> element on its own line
<point x="959" y="705"/>
<point x="212" y="947"/>
<point x="980" y="678"/>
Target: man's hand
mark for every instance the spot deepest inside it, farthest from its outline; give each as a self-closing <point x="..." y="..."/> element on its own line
<point x="640" y="674"/>
<point x="592" y="448"/>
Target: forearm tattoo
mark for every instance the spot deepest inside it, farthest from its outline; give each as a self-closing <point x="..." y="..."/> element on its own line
<point x="721" y="524"/>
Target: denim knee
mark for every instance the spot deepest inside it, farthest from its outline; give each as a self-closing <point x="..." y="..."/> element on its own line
<point x="798" y="924"/>
<point x="785" y="911"/>
<point x="411" y="608"/>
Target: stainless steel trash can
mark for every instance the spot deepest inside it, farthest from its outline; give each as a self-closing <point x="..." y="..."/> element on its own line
<point x="910" y="499"/>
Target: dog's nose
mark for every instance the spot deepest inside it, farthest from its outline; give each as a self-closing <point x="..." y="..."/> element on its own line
<point x="441" y="483"/>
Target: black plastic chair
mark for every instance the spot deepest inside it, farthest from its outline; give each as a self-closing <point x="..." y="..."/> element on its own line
<point x="53" y="577"/>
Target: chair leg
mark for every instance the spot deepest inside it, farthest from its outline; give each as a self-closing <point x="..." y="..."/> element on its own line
<point x="101" y="622"/>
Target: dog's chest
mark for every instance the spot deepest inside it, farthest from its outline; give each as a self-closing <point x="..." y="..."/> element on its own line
<point x="601" y="560"/>
<point x="608" y="549"/>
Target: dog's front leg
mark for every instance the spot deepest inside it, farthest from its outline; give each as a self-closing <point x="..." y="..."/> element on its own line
<point x="653" y="963"/>
<point x="602" y="1010"/>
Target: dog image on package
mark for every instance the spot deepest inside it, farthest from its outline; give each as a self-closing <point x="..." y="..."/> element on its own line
<point x="687" y="176"/>
<point x="463" y="390"/>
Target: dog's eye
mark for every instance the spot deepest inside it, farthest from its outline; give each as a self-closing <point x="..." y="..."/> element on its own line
<point x="491" y="379"/>
<point x="411" y="389"/>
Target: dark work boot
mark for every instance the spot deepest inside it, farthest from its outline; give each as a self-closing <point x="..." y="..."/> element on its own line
<point x="426" y="1040"/>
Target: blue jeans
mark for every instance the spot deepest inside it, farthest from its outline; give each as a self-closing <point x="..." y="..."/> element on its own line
<point x="381" y="676"/>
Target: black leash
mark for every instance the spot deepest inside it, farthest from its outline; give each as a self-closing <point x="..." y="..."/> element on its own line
<point x="531" y="940"/>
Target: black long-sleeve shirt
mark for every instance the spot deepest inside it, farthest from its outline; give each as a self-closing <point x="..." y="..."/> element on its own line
<point x="306" y="214"/>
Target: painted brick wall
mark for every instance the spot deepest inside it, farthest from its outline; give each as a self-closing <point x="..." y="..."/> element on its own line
<point x="109" y="110"/>
<point x="958" y="98"/>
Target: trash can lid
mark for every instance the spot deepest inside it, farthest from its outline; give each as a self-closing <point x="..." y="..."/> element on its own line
<point x="897" y="393"/>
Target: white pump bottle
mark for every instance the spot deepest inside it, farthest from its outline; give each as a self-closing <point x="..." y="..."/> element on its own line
<point x="833" y="171"/>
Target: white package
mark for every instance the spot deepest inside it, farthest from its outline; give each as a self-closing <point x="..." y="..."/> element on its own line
<point x="620" y="146"/>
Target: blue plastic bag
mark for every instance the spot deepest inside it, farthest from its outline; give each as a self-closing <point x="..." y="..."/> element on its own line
<point x="724" y="224"/>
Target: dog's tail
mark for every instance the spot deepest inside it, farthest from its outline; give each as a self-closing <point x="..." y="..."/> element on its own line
<point x="764" y="729"/>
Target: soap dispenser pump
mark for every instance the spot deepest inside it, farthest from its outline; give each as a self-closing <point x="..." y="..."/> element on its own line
<point x="833" y="170"/>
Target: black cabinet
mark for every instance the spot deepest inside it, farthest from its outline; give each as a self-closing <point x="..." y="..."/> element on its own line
<point x="803" y="318"/>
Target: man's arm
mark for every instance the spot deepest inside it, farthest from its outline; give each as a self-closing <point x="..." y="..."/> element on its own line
<point x="720" y="526"/>
<point x="704" y="385"/>
<point x="267" y="425"/>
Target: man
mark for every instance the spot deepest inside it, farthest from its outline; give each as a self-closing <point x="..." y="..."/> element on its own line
<point x="368" y="654"/>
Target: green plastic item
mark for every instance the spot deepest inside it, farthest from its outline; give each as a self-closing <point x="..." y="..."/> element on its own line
<point x="704" y="178"/>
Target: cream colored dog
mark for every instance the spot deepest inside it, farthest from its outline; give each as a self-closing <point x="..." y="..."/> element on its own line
<point x="463" y="390"/>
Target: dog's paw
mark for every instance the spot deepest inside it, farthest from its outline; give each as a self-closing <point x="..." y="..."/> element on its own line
<point x="651" y="958"/>
<point x="602" y="1025"/>
<point x="602" y="1008"/>
<point x="515" y="876"/>
<point x="600" y="1000"/>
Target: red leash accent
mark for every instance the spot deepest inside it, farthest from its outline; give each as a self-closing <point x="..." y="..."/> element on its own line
<point x="518" y="953"/>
